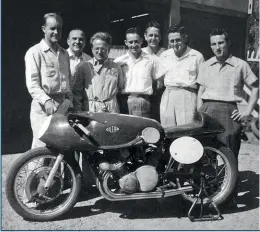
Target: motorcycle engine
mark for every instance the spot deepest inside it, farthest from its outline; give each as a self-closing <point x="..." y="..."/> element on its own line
<point x="135" y="172"/>
<point x="144" y="179"/>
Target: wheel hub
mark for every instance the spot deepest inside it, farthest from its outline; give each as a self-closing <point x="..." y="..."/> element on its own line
<point x="36" y="180"/>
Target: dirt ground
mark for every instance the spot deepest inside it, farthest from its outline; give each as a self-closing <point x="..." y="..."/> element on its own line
<point x="95" y="213"/>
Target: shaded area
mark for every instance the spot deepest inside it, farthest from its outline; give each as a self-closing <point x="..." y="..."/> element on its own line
<point x="172" y="207"/>
<point x="199" y="25"/>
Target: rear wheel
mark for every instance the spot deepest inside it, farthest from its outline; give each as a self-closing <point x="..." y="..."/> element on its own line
<point x="25" y="186"/>
<point x="220" y="171"/>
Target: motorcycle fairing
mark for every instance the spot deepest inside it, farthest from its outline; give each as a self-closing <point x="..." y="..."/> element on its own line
<point x="62" y="136"/>
<point x="112" y="129"/>
<point x="107" y="131"/>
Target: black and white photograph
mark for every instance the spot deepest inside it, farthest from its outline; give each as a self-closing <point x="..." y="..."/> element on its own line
<point x="130" y="115"/>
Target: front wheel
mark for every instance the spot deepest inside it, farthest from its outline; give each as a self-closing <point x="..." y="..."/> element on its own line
<point x="219" y="167"/>
<point x="25" y="186"/>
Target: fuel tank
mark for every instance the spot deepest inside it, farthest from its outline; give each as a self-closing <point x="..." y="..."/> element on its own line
<point x="112" y="129"/>
<point x="107" y="130"/>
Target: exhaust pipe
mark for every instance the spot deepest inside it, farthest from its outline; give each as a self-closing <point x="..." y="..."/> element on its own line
<point x="159" y="193"/>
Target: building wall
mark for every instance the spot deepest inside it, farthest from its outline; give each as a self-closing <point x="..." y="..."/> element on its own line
<point x="233" y="5"/>
<point x="199" y="25"/>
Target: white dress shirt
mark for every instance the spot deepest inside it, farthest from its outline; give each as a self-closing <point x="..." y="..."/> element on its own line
<point x="180" y="71"/>
<point x="138" y="74"/>
<point x="74" y="60"/>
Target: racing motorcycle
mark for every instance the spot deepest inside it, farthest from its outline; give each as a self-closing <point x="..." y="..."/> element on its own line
<point x="132" y="158"/>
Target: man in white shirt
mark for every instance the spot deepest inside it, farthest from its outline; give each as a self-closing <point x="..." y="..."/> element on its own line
<point x="153" y="37"/>
<point x="76" y="41"/>
<point x="180" y="66"/>
<point x="47" y="74"/>
<point x="139" y="71"/>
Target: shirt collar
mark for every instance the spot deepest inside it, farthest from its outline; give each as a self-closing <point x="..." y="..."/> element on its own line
<point x="229" y="61"/>
<point x="185" y="54"/>
<point x="71" y="54"/>
<point x="148" y="51"/>
<point x="45" y="47"/>
<point x="95" y="62"/>
<point x="141" y="56"/>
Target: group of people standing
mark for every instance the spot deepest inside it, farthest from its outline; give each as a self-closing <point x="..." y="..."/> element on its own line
<point x="169" y="85"/>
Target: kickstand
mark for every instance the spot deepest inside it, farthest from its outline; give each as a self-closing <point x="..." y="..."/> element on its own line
<point x="204" y="195"/>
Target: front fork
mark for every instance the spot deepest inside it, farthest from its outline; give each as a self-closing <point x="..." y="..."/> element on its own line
<point x="53" y="171"/>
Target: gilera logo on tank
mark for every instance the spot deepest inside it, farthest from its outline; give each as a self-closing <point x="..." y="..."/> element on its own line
<point x="112" y="129"/>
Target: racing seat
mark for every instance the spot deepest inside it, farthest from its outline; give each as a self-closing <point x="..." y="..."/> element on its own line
<point x="203" y="124"/>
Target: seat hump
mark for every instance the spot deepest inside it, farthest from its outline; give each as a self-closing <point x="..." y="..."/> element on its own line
<point x="202" y="124"/>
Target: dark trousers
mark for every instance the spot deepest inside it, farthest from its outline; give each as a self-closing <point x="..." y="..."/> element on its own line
<point x="222" y="111"/>
<point x="155" y="105"/>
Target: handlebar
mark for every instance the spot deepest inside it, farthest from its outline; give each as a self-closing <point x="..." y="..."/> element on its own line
<point x="83" y="129"/>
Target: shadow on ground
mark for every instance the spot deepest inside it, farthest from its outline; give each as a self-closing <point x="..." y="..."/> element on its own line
<point x="248" y="193"/>
<point x="168" y="207"/>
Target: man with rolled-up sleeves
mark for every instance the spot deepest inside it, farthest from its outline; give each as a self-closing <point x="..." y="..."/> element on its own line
<point x="47" y="74"/>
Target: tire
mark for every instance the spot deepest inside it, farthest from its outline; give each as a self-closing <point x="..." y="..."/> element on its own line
<point x="16" y="196"/>
<point x="229" y="180"/>
<point x="255" y="127"/>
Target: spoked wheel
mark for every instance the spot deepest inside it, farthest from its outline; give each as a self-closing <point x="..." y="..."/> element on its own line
<point x="25" y="186"/>
<point x="219" y="168"/>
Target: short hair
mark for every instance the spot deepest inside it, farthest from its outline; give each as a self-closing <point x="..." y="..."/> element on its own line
<point x="102" y="36"/>
<point x="220" y="31"/>
<point x="77" y="29"/>
<point x="52" y="15"/>
<point x="133" y="30"/>
<point x="177" y="28"/>
<point x="152" y="24"/>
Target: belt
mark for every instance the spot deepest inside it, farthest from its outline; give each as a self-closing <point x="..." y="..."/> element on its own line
<point x="97" y="99"/>
<point x="217" y="101"/>
<point x="138" y="95"/>
<point x="181" y="87"/>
